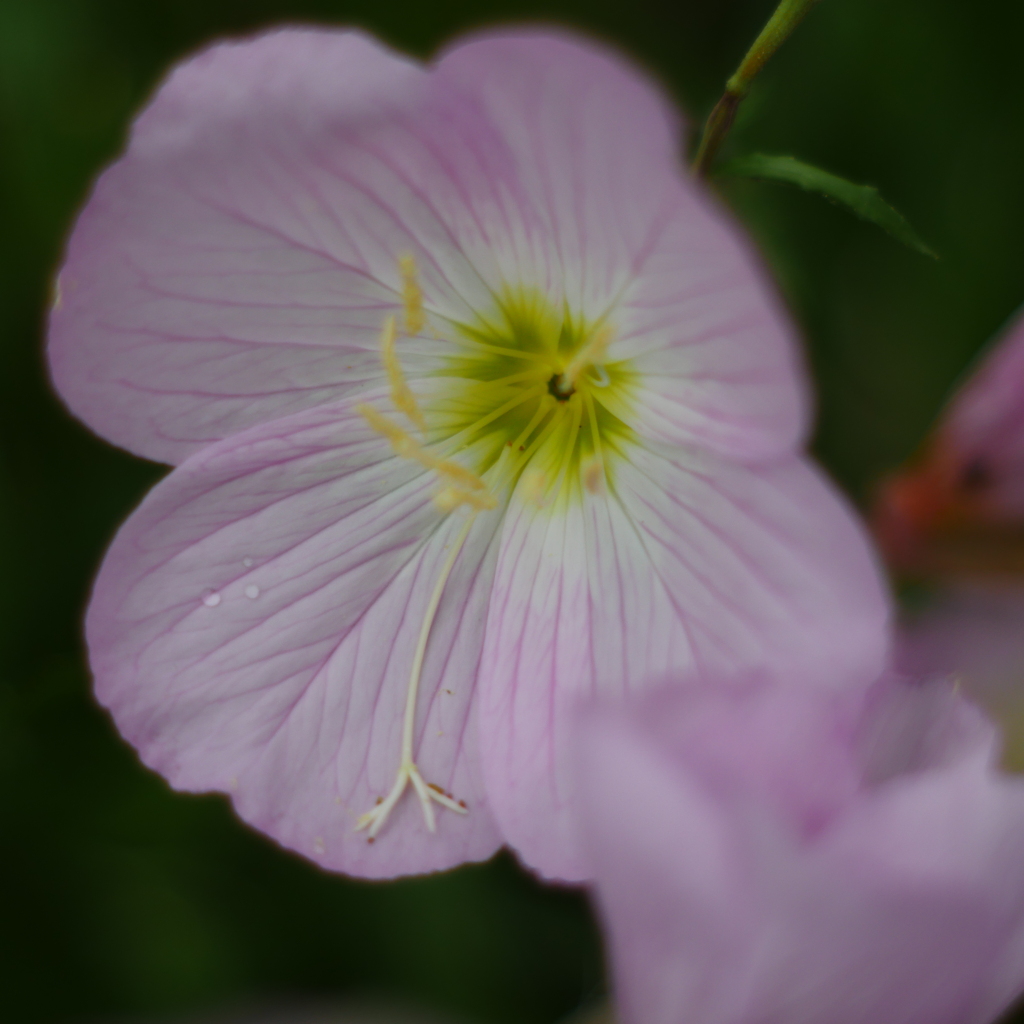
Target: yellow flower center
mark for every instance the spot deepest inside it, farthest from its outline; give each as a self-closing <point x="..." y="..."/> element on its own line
<point x="532" y="393"/>
<point x="537" y="396"/>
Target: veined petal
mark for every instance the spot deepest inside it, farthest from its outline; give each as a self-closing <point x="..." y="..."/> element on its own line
<point x="238" y="263"/>
<point x="252" y="631"/>
<point x="691" y="565"/>
<point x="597" y="150"/>
<point x="708" y="340"/>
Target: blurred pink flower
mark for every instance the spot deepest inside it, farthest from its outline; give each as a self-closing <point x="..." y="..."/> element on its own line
<point x="955" y="518"/>
<point x="983" y="429"/>
<point x="958" y="508"/>
<point x="770" y="854"/>
<point x="479" y="404"/>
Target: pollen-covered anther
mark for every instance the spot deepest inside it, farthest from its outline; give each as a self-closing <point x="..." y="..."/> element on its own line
<point x="461" y="485"/>
<point x="593" y="476"/>
<point x="401" y="393"/>
<point x="412" y="295"/>
<point x="451" y="497"/>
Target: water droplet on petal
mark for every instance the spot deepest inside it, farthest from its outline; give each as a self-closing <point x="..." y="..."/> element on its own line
<point x="252" y="591"/>
<point x="247" y="562"/>
<point x="211" y="598"/>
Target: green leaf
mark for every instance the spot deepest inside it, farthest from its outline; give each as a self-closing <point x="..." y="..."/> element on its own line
<point x="863" y="200"/>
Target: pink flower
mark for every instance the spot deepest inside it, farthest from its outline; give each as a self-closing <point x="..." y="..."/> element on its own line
<point x="479" y="405"/>
<point x="770" y="854"/>
<point x="956" y="518"/>
<point x="958" y="508"/>
<point x="983" y="430"/>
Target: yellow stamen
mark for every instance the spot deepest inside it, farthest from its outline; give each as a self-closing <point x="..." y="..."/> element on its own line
<point x="499" y="382"/>
<point x="592" y="354"/>
<point x="401" y="394"/>
<point x="514" y="353"/>
<point x="515" y="455"/>
<point x="545" y="407"/>
<point x="515" y="400"/>
<point x="409" y="448"/>
<point x="412" y="295"/>
<point x="556" y="408"/>
<point x="451" y="497"/>
<point x="575" y="416"/>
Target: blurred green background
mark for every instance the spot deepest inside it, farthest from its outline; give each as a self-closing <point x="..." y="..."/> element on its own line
<point x="122" y="900"/>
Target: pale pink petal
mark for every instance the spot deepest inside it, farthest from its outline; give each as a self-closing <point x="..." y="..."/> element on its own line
<point x="239" y="262"/>
<point x="984" y="423"/>
<point x="252" y="631"/>
<point x="904" y="909"/>
<point x="675" y="886"/>
<point x="710" y="344"/>
<point x="626" y="232"/>
<point x="910" y="727"/>
<point x="691" y="566"/>
<point x="904" y="905"/>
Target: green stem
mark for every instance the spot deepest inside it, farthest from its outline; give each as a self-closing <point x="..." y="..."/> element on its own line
<point x="787" y="16"/>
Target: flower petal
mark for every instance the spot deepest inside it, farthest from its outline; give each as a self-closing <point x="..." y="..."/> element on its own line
<point x="239" y="262"/>
<point x="904" y="905"/>
<point x="692" y="566"/>
<point x="627" y="232"/>
<point x="252" y="631"/>
<point x="984" y="423"/>
<point x="919" y="891"/>
<point x="914" y="727"/>
<point x="675" y="892"/>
